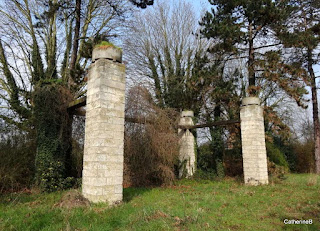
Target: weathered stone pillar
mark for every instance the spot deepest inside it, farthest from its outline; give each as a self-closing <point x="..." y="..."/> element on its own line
<point x="104" y="128"/>
<point x="253" y="142"/>
<point x="187" y="156"/>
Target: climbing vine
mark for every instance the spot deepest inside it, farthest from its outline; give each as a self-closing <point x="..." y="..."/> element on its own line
<point x="52" y="123"/>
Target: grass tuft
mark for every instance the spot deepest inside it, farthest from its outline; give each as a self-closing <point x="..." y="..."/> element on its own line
<point x="105" y="45"/>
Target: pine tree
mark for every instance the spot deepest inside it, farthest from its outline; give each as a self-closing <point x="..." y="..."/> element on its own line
<point x="301" y="33"/>
<point x="242" y="28"/>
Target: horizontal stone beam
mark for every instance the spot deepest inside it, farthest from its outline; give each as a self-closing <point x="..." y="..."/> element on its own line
<point x="81" y="102"/>
<point x="211" y="124"/>
<point x="138" y="120"/>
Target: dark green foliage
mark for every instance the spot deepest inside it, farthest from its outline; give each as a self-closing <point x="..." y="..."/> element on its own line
<point x="219" y="168"/>
<point x="179" y="85"/>
<point x="232" y="160"/>
<point x="276" y="172"/>
<point x="287" y="148"/>
<point x="242" y="28"/>
<point x="303" y="29"/>
<point x="210" y="161"/>
<point x="275" y="155"/>
<point x="296" y="156"/>
<point x="217" y="144"/>
<point x="53" y="135"/>
<point x="230" y="20"/>
<point x="204" y="158"/>
<point x="51" y="173"/>
<point x="37" y="65"/>
<point x="204" y="175"/>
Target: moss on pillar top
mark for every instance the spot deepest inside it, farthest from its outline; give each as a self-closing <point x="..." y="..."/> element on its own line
<point x="106" y="45"/>
<point x="106" y="50"/>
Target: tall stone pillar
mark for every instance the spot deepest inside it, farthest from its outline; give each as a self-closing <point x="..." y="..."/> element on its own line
<point x="187" y="156"/>
<point x="253" y="142"/>
<point x="102" y="176"/>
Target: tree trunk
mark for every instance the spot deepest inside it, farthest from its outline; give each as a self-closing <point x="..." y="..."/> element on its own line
<point x="75" y="44"/>
<point x="217" y="143"/>
<point x="252" y="79"/>
<point x="315" y="113"/>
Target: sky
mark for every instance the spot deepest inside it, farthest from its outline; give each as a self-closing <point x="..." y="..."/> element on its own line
<point x="198" y="5"/>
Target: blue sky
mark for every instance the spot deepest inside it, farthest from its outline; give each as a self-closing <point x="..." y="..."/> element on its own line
<point x="199" y="5"/>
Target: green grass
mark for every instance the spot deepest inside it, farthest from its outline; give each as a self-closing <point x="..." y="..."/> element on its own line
<point x="189" y="205"/>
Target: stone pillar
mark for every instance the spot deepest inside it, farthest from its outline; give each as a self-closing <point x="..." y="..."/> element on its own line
<point x="253" y="142"/>
<point x="186" y="152"/>
<point x="102" y="176"/>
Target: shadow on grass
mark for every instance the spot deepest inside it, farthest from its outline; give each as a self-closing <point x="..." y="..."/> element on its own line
<point x="130" y="193"/>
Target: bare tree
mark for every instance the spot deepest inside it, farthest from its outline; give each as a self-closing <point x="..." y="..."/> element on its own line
<point x="45" y="47"/>
<point x="161" y="47"/>
<point x="37" y="42"/>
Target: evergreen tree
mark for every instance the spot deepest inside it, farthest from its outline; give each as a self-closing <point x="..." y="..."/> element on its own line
<point x="301" y="33"/>
<point x="242" y="28"/>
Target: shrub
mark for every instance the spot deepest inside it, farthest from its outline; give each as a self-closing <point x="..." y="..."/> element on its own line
<point x="276" y="171"/>
<point x="230" y="166"/>
<point x="232" y="160"/>
<point x="205" y="160"/>
<point x="151" y="146"/>
<point x="17" y="154"/>
<point x="304" y="153"/>
<point x="275" y="155"/>
<point x="204" y="175"/>
<point x="233" y="164"/>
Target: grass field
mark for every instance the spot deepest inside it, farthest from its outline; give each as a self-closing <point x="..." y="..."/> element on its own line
<point x="189" y="205"/>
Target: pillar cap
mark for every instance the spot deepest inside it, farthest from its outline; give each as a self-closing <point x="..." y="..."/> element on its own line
<point x="187" y="114"/>
<point x="107" y="52"/>
<point x="250" y="101"/>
